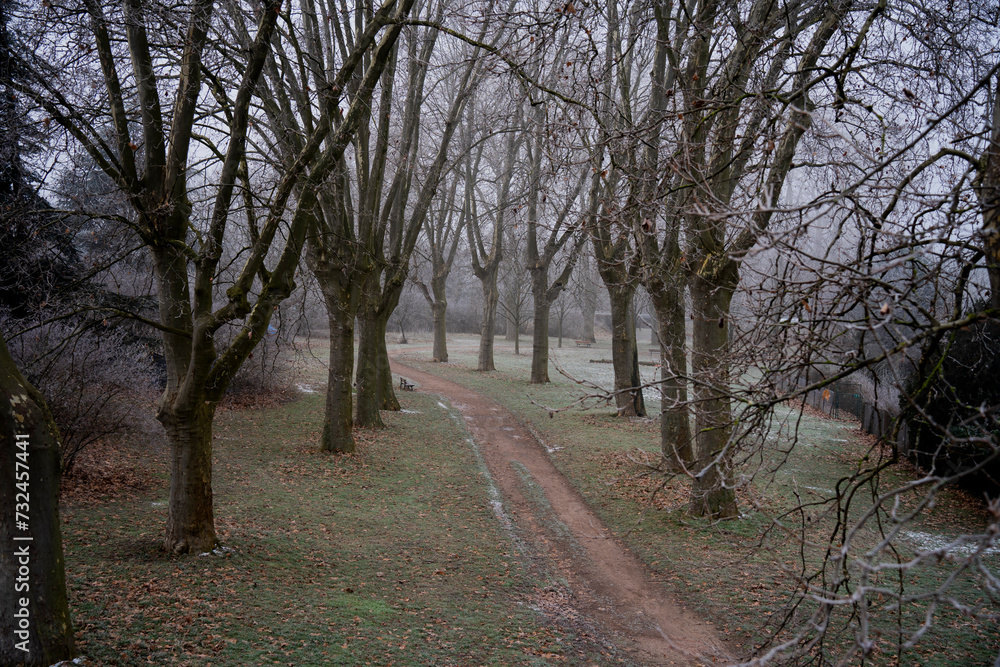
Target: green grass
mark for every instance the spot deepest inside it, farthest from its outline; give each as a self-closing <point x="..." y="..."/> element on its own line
<point x="395" y="557"/>
<point x="392" y="556"/>
<point x="744" y="571"/>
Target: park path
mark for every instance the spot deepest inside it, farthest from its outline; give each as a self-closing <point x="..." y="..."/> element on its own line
<point x="608" y="585"/>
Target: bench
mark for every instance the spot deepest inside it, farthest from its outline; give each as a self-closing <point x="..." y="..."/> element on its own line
<point x="405" y="384"/>
<point x="583" y="343"/>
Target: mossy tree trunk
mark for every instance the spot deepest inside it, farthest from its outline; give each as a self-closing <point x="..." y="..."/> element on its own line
<point x="625" y="352"/>
<point x="439" y="311"/>
<point x="675" y="426"/>
<point x="487" y="331"/>
<point x="712" y="494"/>
<point x="32" y="571"/>
<point x="366" y="405"/>
<point x="337" y="270"/>
<point x="191" y="518"/>
<point x="540" y="332"/>
<point x="387" y="399"/>
<point x="338" y="422"/>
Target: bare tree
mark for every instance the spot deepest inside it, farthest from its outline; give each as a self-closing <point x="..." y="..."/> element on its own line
<point x="515" y="285"/>
<point x="443" y="233"/>
<point x="586" y="296"/>
<point x="188" y="240"/>
<point x="398" y="230"/>
<point x="562" y="232"/>
<point x="486" y="259"/>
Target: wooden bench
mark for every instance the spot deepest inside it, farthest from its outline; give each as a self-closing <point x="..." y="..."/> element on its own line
<point x="583" y="343"/>
<point x="405" y="384"/>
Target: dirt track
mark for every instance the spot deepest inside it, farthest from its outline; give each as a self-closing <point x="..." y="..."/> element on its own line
<point x="608" y="585"/>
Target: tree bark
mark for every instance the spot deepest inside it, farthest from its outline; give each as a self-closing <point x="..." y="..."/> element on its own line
<point x="338" y="422"/>
<point x="540" y="335"/>
<point x="989" y="199"/>
<point x="712" y="494"/>
<point x="675" y="425"/>
<point x="491" y="297"/>
<point x="386" y="387"/>
<point x="373" y="378"/>
<point x="185" y="414"/>
<point x="625" y="353"/>
<point x="588" y="300"/>
<point x="366" y="404"/>
<point x="32" y="571"/>
<point x="439" y="308"/>
<point x="191" y="518"/>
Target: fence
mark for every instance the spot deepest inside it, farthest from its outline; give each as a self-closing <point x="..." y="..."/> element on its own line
<point x="841" y="401"/>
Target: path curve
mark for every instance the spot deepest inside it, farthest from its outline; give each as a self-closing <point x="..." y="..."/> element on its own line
<point x="608" y="583"/>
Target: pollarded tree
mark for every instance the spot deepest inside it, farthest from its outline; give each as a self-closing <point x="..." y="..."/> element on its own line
<point x="167" y="139"/>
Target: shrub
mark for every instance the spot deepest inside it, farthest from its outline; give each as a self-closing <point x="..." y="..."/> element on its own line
<point x="98" y="380"/>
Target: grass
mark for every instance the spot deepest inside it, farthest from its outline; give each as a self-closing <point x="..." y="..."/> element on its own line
<point x="395" y="556"/>
<point x="745" y="570"/>
<point x="390" y="557"/>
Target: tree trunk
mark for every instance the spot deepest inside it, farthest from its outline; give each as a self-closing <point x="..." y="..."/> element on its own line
<point x="383" y="372"/>
<point x="191" y="519"/>
<point x="512" y="317"/>
<point x="187" y="420"/>
<point x="366" y="377"/>
<point x="675" y="426"/>
<point x="989" y="199"/>
<point x="491" y="296"/>
<point x="588" y="301"/>
<point x="624" y="352"/>
<point x="35" y="625"/>
<point x="439" y="309"/>
<point x="540" y="335"/>
<point x="712" y="494"/>
<point x="338" y="423"/>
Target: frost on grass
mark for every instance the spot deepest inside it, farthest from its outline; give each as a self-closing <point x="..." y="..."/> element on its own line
<point x="218" y="551"/>
<point x="960" y="546"/>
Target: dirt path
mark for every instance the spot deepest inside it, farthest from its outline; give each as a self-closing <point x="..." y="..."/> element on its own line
<point x="608" y="584"/>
